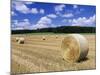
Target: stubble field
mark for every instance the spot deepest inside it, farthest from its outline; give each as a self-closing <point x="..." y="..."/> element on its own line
<point x="38" y="55"/>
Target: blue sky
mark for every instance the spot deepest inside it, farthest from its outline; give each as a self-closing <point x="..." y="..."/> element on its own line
<point x="35" y="15"/>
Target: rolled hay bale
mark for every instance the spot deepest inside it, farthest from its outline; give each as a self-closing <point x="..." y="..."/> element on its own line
<point x="43" y="38"/>
<point x="21" y="40"/>
<point x="17" y="38"/>
<point x="56" y="36"/>
<point x="74" y="48"/>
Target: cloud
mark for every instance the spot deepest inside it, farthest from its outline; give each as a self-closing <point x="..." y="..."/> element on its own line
<point x="42" y="11"/>
<point x="52" y="16"/>
<point x="70" y="21"/>
<point x="64" y="20"/>
<point x="83" y="21"/>
<point x="44" y="22"/>
<point x="13" y="13"/>
<point x="67" y="15"/>
<point x="79" y="11"/>
<point x="26" y="20"/>
<point x="75" y="6"/>
<point x="14" y="22"/>
<point x="34" y="10"/>
<point x="23" y="8"/>
<point x="59" y="8"/>
<point x="24" y="24"/>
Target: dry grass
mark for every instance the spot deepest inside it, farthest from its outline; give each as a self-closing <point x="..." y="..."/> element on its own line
<point x="37" y="55"/>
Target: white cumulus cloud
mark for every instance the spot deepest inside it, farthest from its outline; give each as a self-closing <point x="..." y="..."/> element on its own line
<point x="23" y="8"/>
<point x="83" y="21"/>
<point x="52" y="16"/>
<point x="59" y="7"/>
<point x="67" y="15"/>
<point x="34" y="10"/>
<point x="42" y="11"/>
<point x="37" y="11"/>
<point x="26" y="20"/>
<point x="59" y="11"/>
<point x="75" y="6"/>
<point x="44" y="22"/>
<point x="13" y="13"/>
<point x="24" y="24"/>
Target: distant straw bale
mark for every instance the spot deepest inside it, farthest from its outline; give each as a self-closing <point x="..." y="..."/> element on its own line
<point x="21" y="40"/>
<point x="43" y="38"/>
<point x="17" y="38"/>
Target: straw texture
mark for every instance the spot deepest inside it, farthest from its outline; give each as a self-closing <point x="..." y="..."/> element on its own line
<point x="74" y="47"/>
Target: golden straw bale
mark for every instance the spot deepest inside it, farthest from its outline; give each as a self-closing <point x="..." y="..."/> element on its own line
<point x="21" y="40"/>
<point x="74" y="47"/>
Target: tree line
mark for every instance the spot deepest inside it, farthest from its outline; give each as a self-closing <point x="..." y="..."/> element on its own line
<point x="62" y="29"/>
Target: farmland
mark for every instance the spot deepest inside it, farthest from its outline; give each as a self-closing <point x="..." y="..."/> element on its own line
<point x="38" y="55"/>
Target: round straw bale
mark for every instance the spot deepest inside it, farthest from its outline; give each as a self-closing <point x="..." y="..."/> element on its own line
<point x="43" y="38"/>
<point x="17" y="38"/>
<point x="74" y="47"/>
<point x="56" y="36"/>
<point x="21" y="40"/>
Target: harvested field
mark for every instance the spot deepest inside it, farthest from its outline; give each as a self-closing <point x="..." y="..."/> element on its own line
<point x="38" y="55"/>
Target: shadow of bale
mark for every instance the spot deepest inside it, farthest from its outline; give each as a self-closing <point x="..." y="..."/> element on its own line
<point x="83" y="60"/>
